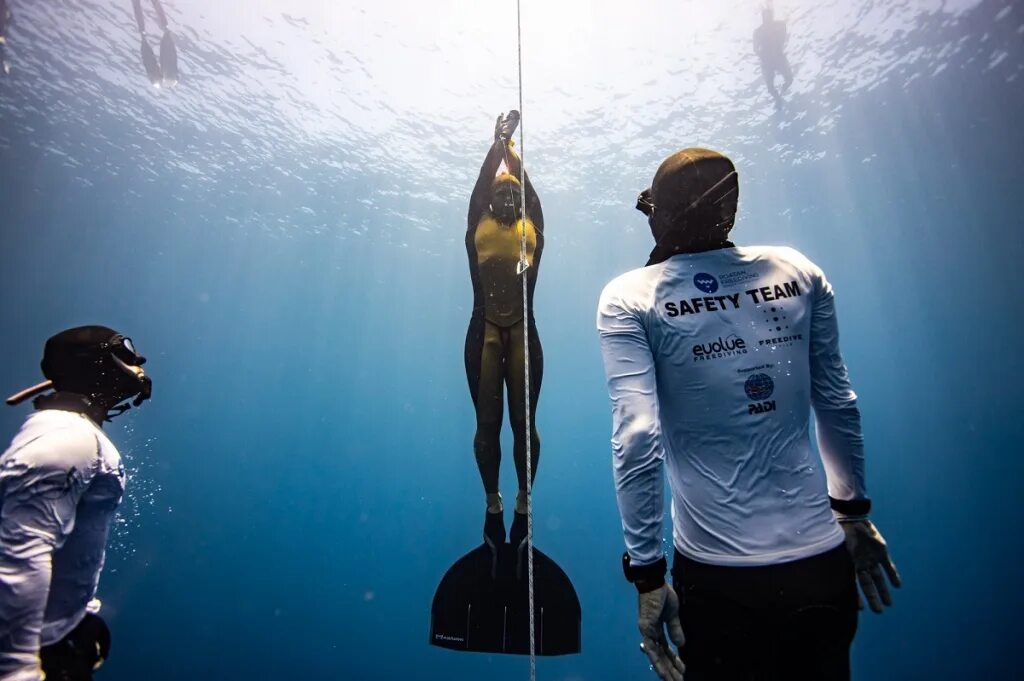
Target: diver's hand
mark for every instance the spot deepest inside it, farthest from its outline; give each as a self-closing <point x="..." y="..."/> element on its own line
<point x="870" y="558"/>
<point x="506" y="126"/>
<point x="659" y="609"/>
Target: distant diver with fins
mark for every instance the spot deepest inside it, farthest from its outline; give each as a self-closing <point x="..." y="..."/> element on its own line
<point x="6" y="19"/>
<point x="162" y="73"/>
<point x="482" y="602"/>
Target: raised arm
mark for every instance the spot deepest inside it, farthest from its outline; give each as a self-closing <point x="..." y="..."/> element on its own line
<point x="481" y="197"/>
<point x="533" y="210"/>
<point x="637" y="453"/>
<point x="41" y="485"/>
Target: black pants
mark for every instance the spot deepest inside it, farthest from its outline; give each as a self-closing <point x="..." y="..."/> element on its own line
<point x="73" y="657"/>
<point x="788" y="622"/>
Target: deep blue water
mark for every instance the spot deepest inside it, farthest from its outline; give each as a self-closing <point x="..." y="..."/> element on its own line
<point x="282" y="235"/>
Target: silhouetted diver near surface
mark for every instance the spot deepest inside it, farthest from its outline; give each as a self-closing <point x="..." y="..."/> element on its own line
<point x="6" y="18"/>
<point x="482" y="604"/>
<point x="770" y="46"/>
<point x="164" y="72"/>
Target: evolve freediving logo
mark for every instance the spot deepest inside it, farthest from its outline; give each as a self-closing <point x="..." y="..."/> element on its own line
<point x="705" y="282"/>
<point x="730" y="346"/>
<point x="759" y="387"/>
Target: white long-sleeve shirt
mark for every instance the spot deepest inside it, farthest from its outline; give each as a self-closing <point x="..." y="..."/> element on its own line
<point x="714" y="361"/>
<point x="61" y="481"/>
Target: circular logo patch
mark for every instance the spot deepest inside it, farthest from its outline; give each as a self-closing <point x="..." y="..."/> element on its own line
<point x="759" y="387"/>
<point x="705" y="282"/>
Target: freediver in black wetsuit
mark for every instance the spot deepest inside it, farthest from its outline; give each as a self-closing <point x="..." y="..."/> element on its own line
<point x="483" y="603"/>
<point x="770" y="46"/>
<point x="495" y="348"/>
<point x="163" y="73"/>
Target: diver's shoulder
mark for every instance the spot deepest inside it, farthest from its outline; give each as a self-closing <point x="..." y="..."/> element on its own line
<point x="632" y="279"/>
<point x="781" y="254"/>
<point x="631" y="286"/>
<point x="53" y="437"/>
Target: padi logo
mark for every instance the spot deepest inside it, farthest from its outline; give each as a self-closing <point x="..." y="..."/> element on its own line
<point x="705" y="282"/>
<point x="722" y="347"/>
<point x="759" y="387"/>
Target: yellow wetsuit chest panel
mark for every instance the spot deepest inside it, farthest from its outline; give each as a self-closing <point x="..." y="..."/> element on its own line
<point x="497" y="252"/>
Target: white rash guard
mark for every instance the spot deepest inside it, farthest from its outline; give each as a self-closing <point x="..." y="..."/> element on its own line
<point x="714" y="361"/>
<point x="61" y="481"/>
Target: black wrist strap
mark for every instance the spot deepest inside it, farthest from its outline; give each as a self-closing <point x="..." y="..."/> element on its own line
<point x="645" y="577"/>
<point x="850" y="506"/>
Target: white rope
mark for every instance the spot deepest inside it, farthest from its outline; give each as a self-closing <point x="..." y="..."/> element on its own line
<point x="524" y="264"/>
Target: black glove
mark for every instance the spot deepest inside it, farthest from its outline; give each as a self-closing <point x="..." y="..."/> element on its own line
<point x="77" y="655"/>
<point x="658" y="612"/>
<point x="871" y="561"/>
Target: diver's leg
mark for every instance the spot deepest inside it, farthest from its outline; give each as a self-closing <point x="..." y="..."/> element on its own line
<point x="517" y="404"/>
<point x="517" y="415"/>
<point x="787" y="74"/>
<point x="726" y="635"/>
<point x="484" y="367"/>
<point x="140" y="18"/>
<point x="818" y="617"/>
<point x="484" y="372"/>
<point x="769" y="80"/>
<point x="161" y="17"/>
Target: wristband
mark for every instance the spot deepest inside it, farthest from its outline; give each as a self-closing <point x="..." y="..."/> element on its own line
<point x="645" y="577"/>
<point x="851" y="507"/>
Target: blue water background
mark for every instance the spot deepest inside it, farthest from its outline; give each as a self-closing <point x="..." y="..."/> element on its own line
<point x="304" y="474"/>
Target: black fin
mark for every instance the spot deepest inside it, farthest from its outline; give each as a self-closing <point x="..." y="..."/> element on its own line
<point x="169" y="60"/>
<point x="151" y="64"/>
<point x="474" y="612"/>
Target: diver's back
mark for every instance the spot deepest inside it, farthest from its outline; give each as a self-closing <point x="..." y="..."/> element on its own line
<point x="730" y="332"/>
